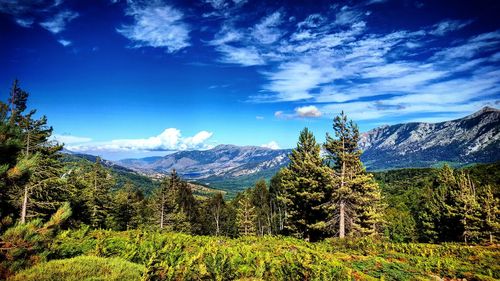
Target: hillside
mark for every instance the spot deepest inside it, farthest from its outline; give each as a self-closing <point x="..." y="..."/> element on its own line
<point x="122" y="174"/>
<point x="472" y="139"/>
<point x="225" y="166"/>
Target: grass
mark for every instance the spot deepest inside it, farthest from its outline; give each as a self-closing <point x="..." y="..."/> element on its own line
<point x="83" y="268"/>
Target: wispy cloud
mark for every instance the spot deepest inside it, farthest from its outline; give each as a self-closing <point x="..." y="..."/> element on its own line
<point x="58" y="22"/>
<point x="64" y="42"/>
<point x="70" y="139"/>
<point x="170" y="139"/>
<point x="246" y="56"/>
<point x="333" y="60"/>
<point x="159" y="26"/>
<point x="267" y="31"/>
<point x="441" y="28"/>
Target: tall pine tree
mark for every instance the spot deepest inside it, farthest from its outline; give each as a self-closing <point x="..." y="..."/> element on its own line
<point x="306" y="187"/>
<point x="355" y="203"/>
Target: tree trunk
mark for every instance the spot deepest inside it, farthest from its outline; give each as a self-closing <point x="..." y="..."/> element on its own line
<point x="162" y="210"/>
<point x="25" y="204"/>
<point x="342" y="220"/>
<point x="342" y="203"/>
<point x="24" y="207"/>
<point x="28" y="143"/>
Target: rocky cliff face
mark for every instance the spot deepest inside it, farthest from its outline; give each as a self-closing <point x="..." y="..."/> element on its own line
<point x="472" y="139"/>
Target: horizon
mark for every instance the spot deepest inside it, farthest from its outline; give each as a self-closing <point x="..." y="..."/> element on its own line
<point x="486" y="108"/>
<point x="132" y="79"/>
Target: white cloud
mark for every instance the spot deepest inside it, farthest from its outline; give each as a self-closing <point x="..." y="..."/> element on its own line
<point x="308" y="111"/>
<point x="246" y="56"/>
<point x="25" y="22"/>
<point x="158" y="26"/>
<point x="258" y="117"/>
<point x="347" y="16"/>
<point x="69" y="139"/>
<point x="170" y="139"/>
<point x="447" y="26"/>
<point x="64" y="42"/>
<point x="266" y="32"/>
<point x="271" y="145"/>
<point x="59" y="21"/>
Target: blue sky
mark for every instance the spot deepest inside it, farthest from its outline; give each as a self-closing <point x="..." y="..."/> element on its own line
<point x="139" y="78"/>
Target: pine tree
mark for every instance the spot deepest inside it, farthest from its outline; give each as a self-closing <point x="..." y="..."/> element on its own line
<point x="11" y="169"/>
<point x="468" y="207"/>
<point x="245" y="216"/>
<point x="306" y="187"/>
<point x="98" y="192"/>
<point x="166" y="197"/>
<point x="126" y="207"/>
<point x="356" y="199"/>
<point x="491" y="214"/>
<point x="42" y="190"/>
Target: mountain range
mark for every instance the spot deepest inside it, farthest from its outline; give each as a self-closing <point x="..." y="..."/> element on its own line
<point x="472" y="139"/>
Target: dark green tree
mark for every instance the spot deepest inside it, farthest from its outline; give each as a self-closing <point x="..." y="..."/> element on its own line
<point x="98" y="194"/>
<point x="306" y="186"/>
<point x="355" y="203"/>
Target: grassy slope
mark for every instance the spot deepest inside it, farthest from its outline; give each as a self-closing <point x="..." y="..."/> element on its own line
<point x="176" y="256"/>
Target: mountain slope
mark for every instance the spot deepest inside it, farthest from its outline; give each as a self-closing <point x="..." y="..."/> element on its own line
<point x="472" y="139"/>
<point x="215" y="165"/>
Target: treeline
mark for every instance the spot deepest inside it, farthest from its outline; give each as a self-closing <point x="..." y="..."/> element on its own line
<point x="325" y="191"/>
<point x="438" y="205"/>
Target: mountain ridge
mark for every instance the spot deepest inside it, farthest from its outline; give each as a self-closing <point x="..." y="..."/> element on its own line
<point x="474" y="138"/>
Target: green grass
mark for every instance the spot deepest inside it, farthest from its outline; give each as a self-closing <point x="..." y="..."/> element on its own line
<point x="174" y="256"/>
<point x="82" y="268"/>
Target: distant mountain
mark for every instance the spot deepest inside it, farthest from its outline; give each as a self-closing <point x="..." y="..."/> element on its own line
<point x="472" y="139"/>
<point x="217" y="165"/>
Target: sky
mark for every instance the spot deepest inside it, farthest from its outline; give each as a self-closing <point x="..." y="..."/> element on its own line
<point x="128" y="79"/>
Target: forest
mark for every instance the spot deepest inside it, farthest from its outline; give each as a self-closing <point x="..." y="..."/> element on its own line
<point x="323" y="217"/>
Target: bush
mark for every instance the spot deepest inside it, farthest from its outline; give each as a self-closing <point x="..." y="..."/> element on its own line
<point x="82" y="268"/>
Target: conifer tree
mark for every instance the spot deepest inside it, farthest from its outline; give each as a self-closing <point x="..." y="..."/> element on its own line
<point x="42" y="190"/>
<point x="166" y="197"/>
<point x="468" y="207"/>
<point x="127" y="204"/>
<point x="99" y="184"/>
<point x="491" y="214"/>
<point x="245" y="216"/>
<point x="306" y="187"/>
<point x="11" y="169"/>
<point x="356" y="198"/>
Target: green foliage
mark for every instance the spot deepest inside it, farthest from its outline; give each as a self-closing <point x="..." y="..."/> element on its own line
<point x="306" y="186"/>
<point x="24" y="244"/>
<point x="355" y="206"/>
<point x="82" y="268"/>
<point x="174" y="256"/>
<point x="435" y="205"/>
